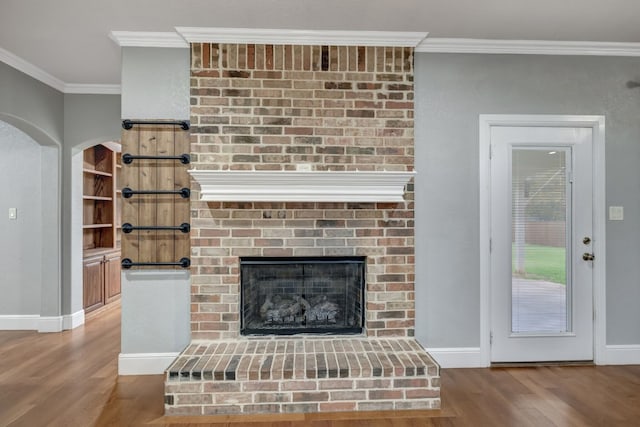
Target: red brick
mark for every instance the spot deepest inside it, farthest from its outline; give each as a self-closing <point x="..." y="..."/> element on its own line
<point x="422" y="393"/>
<point x="260" y="386"/>
<point x="299" y="385"/>
<point x="193" y="399"/>
<point x="337" y="406"/>
<point x="318" y="396"/>
<point x="272" y="397"/>
<point x="385" y="394"/>
<point x="231" y="398"/>
<point x="183" y="410"/>
<point x="335" y="384"/>
<point x="348" y="395"/>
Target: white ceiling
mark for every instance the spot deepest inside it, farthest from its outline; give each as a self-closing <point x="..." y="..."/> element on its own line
<point x="69" y="39"/>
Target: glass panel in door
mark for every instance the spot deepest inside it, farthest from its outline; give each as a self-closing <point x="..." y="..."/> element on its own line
<point x="541" y="205"/>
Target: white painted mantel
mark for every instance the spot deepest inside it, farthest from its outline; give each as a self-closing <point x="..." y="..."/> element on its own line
<point x="301" y="186"/>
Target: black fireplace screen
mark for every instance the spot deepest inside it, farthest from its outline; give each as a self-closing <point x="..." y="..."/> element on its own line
<point x="287" y="296"/>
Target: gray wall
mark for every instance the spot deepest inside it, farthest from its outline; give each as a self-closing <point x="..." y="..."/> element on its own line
<point x="32" y="101"/>
<point x="62" y="125"/>
<point x="451" y="91"/>
<point x="155" y="83"/>
<point x="155" y="304"/>
<point x="155" y="311"/>
<point x="37" y="110"/>
<point x="88" y="120"/>
<point x="21" y="248"/>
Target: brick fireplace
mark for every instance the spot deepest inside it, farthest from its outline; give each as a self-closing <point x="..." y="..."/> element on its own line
<point x="281" y="109"/>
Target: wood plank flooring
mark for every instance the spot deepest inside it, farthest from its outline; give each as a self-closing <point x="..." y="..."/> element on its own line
<point x="70" y="379"/>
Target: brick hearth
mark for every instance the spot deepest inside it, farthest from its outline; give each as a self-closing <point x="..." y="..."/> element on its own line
<point x="301" y="375"/>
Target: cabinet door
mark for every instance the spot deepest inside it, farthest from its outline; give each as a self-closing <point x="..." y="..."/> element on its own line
<point x="112" y="277"/>
<point x="93" y="287"/>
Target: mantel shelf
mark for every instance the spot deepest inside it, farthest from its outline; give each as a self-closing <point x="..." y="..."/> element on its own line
<point x="301" y="186"/>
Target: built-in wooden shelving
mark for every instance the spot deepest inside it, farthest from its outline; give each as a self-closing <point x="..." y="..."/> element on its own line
<point x="101" y="225"/>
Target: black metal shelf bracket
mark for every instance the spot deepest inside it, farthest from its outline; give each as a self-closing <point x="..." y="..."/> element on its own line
<point x="128" y="124"/>
<point x="185" y="193"/>
<point x="128" y="228"/>
<point x="128" y="263"/>
<point x="127" y="158"/>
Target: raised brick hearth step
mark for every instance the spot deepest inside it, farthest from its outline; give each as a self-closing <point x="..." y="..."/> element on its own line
<point x="301" y="375"/>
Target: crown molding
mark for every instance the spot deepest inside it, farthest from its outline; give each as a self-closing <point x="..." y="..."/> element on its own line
<point x="37" y="73"/>
<point x="30" y="70"/>
<point x="96" y="89"/>
<point x="301" y="37"/>
<point x="528" y="47"/>
<point x="148" y="39"/>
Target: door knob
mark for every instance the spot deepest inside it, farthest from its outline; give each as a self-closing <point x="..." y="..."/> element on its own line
<point x="588" y="257"/>
<point x="586" y="240"/>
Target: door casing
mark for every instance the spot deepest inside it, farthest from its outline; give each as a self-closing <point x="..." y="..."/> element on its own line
<point x="597" y="124"/>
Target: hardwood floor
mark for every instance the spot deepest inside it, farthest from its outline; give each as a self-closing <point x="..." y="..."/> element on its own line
<point x="70" y="379"/>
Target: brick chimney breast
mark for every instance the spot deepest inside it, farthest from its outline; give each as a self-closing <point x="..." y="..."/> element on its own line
<point x="288" y="108"/>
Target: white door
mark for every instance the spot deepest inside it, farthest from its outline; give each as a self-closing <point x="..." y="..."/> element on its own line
<point x="541" y="243"/>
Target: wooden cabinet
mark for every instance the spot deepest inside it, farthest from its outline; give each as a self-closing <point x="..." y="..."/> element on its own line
<point x="112" y="276"/>
<point x="101" y="225"/>
<point x="92" y="286"/>
<point x="101" y="278"/>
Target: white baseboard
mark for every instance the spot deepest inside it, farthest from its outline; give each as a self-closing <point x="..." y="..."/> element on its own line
<point x="50" y="324"/>
<point x="457" y="357"/>
<point x="469" y="357"/>
<point x="622" y="355"/>
<point x="35" y="322"/>
<point x="16" y="322"/>
<point x="72" y="321"/>
<point x="144" y="363"/>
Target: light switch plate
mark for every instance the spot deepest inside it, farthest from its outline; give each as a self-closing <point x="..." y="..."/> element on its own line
<point x="13" y="213"/>
<point x="616" y="213"/>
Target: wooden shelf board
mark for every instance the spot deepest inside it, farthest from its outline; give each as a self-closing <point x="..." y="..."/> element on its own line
<point x="96" y="172"/>
<point x="86" y="253"/>
<point x="88" y="226"/>
<point x="106" y="199"/>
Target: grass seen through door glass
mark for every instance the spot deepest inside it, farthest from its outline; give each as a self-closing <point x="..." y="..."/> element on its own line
<point x="543" y="263"/>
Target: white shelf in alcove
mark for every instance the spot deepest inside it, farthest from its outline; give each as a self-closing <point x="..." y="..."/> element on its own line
<point x="301" y="186"/>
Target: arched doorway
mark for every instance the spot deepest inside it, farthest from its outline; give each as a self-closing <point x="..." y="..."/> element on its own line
<point x="30" y="249"/>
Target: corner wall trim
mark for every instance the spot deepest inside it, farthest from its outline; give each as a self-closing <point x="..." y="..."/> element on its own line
<point x="72" y="321"/>
<point x="39" y="74"/>
<point x="50" y="324"/>
<point x="30" y="70"/>
<point x="457" y="357"/>
<point x="144" y="363"/>
<point x="148" y="39"/>
<point x="96" y="89"/>
<point x="622" y="354"/>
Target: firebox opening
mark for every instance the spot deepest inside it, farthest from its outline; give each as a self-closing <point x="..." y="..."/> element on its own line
<point x="302" y="295"/>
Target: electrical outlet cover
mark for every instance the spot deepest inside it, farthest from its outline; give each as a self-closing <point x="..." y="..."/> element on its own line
<point x="616" y="213"/>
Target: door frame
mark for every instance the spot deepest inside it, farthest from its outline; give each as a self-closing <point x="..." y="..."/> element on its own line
<point x="597" y="124"/>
